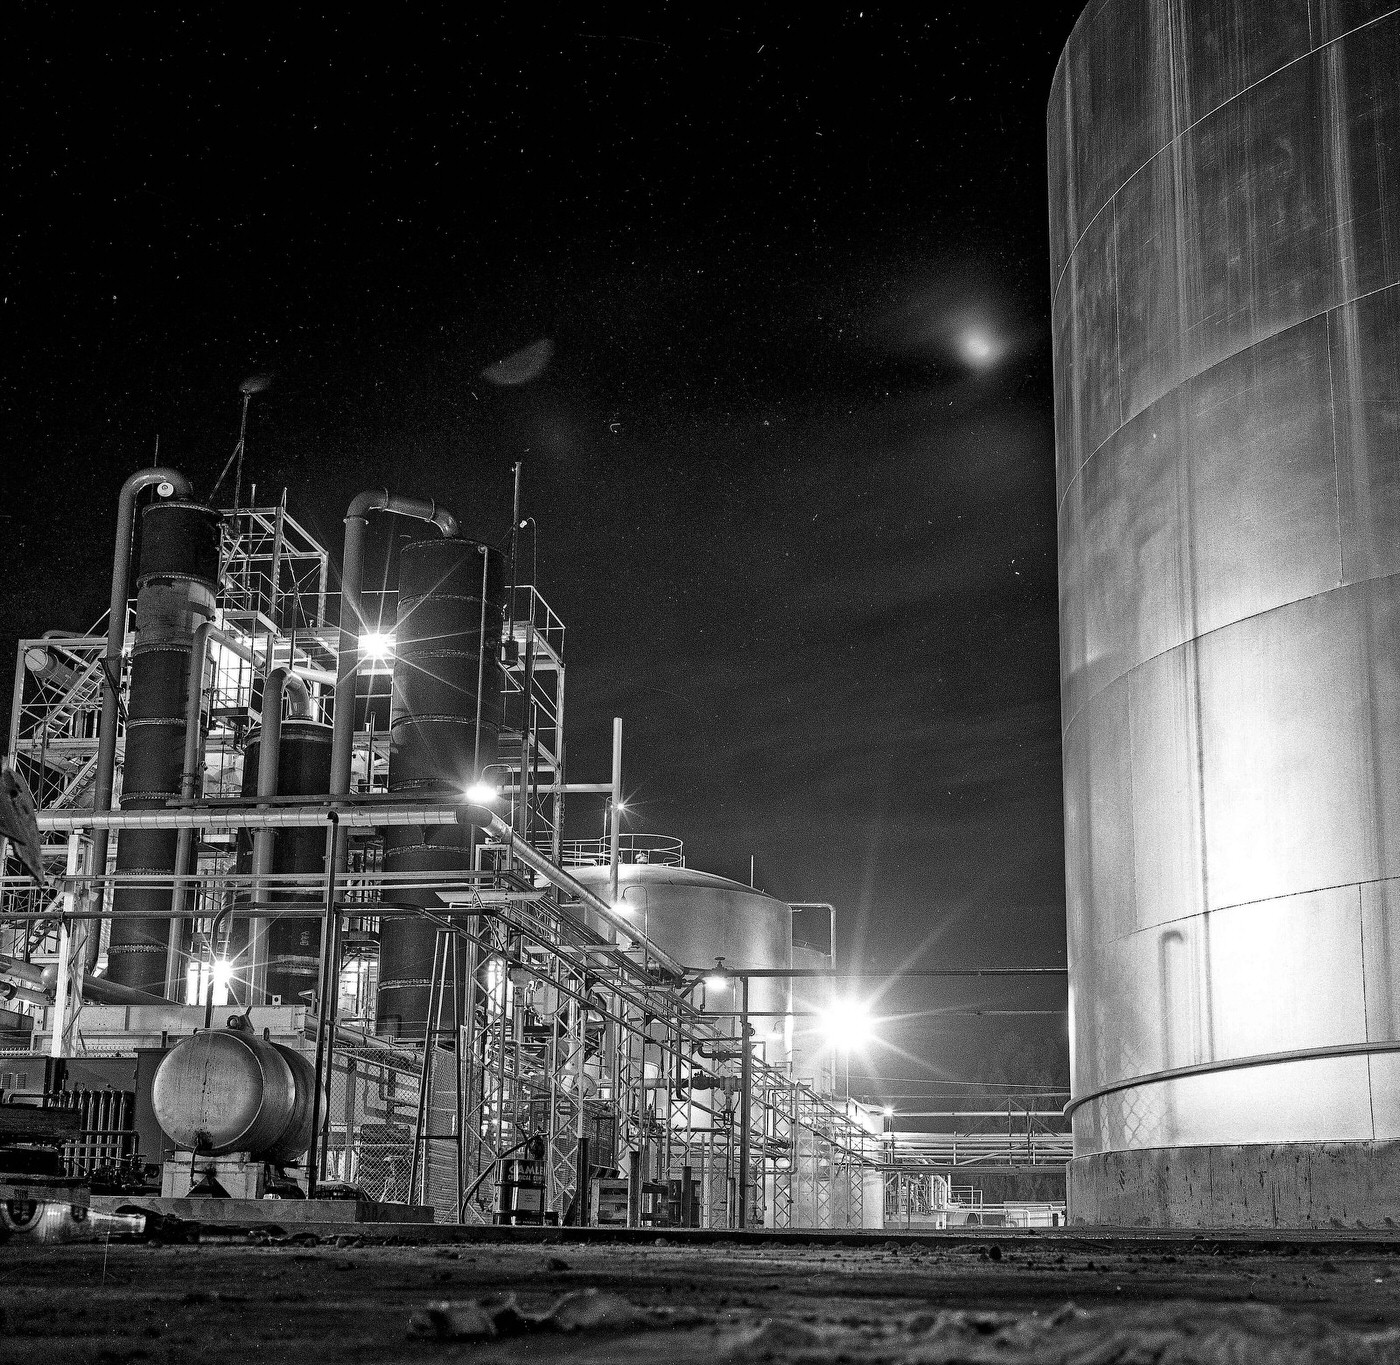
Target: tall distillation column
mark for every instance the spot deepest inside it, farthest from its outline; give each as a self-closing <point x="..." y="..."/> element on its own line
<point x="1225" y="255"/>
<point x="442" y="656"/>
<point x="176" y="582"/>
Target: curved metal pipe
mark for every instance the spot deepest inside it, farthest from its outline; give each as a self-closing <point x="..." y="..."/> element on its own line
<point x="298" y="694"/>
<point x="351" y="574"/>
<point x="1297" y="1054"/>
<point x="105" y="777"/>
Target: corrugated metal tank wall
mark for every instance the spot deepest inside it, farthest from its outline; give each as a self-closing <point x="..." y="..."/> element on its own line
<point x="1225" y="250"/>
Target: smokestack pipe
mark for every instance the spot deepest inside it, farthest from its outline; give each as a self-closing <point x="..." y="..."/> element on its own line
<point x="351" y="575"/>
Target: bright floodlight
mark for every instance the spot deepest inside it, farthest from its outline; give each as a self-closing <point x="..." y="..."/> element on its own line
<point x="716" y="983"/>
<point x="847" y="1025"/>
<point x="377" y="644"/>
<point x="889" y="1111"/>
<point x="481" y="793"/>
<point x="223" y="970"/>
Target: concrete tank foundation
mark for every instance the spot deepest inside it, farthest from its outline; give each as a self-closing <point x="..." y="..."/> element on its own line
<point x="1267" y="1185"/>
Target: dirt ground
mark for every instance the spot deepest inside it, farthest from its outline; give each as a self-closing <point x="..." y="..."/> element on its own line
<point x="1054" y="1298"/>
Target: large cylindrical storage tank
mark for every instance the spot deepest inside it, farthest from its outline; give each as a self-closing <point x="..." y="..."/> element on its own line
<point x="697" y="917"/>
<point x="176" y="581"/>
<point x="293" y="945"/>
<point x="1225" y="250"/>
<point x="440" y="653"/>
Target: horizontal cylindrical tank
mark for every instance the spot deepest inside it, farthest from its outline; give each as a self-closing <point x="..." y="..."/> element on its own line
<point x="1224" y="216"/>
<point x="697" y="917"/>
<point x="176" y="582"/>
<point x="296" y="1136"/>
<point x="228" y="1090"/>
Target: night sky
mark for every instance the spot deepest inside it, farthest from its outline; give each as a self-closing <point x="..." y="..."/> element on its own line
<point x="791" y="458"/>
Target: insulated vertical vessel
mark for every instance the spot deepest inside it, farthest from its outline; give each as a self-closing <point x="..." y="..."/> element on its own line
<point x="447" y="674"/>
<point x="176" y="582"/>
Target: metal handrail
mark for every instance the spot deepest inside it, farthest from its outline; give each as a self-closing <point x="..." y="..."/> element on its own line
<point x="665" y="850"/>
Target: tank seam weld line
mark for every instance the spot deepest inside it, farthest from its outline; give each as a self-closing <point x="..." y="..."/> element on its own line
<point x="1240" y="905"/>
<point x="1304" y="1054"/>
<point x="1210" y="113"/>
<point x="1205" y="635"/>
<point x="1257" y="341"/>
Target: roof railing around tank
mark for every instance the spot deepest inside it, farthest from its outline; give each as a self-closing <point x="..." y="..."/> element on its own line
<point x="664" y="850"/>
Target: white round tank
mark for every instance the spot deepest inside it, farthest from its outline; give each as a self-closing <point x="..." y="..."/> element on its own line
<point x="697" y="917"/>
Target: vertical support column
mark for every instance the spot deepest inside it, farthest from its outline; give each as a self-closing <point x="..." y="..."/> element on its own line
<point x="634" y="1189"/>
<point x="557" y="844"/>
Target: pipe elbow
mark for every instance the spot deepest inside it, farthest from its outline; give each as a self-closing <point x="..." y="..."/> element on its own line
<point x="400" y="504"/>
<point x="474" y="816"/>
<point x="180" y="486"/>
<point x="298" y="695"/>
<point x="362" y="504"/>
<point x="445" y="522"/>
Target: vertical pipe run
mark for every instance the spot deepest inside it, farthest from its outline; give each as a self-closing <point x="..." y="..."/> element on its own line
<point x="745" y="1097"/>
<point x="316" y="1153"/>
<point x="615" y="834"/>
<point x="270" y="854"/>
